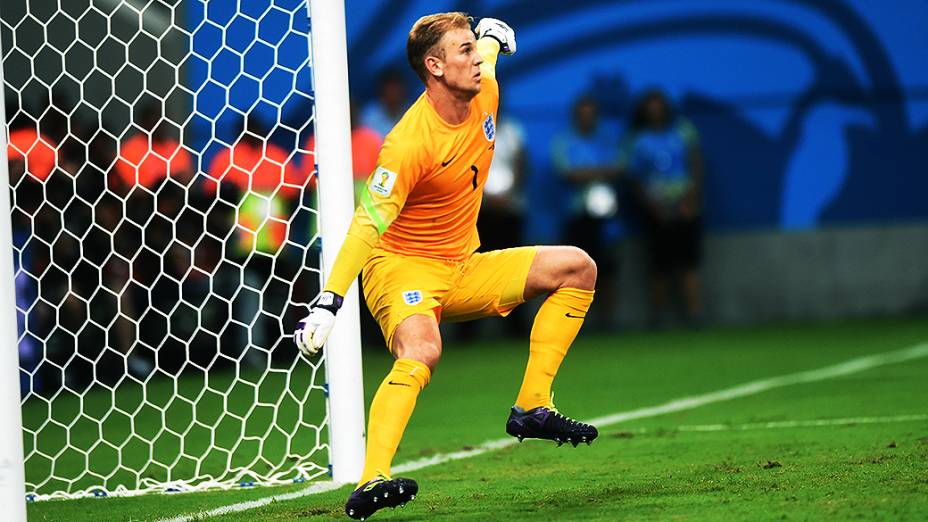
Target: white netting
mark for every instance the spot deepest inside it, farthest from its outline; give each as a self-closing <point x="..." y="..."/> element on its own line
<point x="158" y="274"/>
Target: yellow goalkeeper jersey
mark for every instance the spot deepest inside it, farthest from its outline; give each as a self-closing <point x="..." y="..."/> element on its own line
<point x="429" y="179"/>
<point x="424" y="195"/>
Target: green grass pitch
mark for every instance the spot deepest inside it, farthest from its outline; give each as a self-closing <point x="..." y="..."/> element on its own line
<point x="760" y="457"/>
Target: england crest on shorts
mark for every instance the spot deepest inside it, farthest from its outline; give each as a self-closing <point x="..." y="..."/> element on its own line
<point x="489" y="128"/>
<point x="412" y="297"/>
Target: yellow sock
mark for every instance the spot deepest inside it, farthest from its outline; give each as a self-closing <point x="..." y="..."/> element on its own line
<point x="555" y="328"/>
<point x="390" y="411"/>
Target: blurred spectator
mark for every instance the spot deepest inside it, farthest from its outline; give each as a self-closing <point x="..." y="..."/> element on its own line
<point x="147" y="160"/>
<point x="587" y="156"/>
<point x="265" y="182"/>
<point x="664" y="162"/>
<point x="29" y="151"/>
<point x="150" y="156"/>
<point x="501" y="219"/>
<point x="501" y="214"/>
<point x="32" y="160"/>
<point x="265" y="187"/>
<point x="365" y="147"/>
<point x="384" y="112"/>
<point x="87" y="156"/>
<point x="29" y="348"/>
<point x="53" y="121"/>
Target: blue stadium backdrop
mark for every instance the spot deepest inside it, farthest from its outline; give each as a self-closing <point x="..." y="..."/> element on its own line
<point x="811" y="112"/>
<point x="227" y="87"/>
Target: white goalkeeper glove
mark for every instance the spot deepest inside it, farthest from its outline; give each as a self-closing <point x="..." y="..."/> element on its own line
<point x="499" y="31"/>
<point x="312" y="331"/>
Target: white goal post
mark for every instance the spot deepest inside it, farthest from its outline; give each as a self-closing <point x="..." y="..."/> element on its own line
<point x="336" y="205"/>
<point x="12" y="477"/>
<point x="147" y="313"/>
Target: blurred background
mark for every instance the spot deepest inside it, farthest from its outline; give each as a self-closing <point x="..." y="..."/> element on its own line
<point x="724" y="162"/>
<point x="162" y="186"/>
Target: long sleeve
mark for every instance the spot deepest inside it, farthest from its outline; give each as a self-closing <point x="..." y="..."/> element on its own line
<point x="382" y="200"/>
<point x="489" y="51"/>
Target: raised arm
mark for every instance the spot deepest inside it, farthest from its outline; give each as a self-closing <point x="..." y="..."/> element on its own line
<point x="493" y="37"/>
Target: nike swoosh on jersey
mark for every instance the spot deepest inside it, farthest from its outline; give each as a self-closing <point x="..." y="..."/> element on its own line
<point x="574" y="316"/>
<point x="399" y="384"/>
<point x="446" y="163"/>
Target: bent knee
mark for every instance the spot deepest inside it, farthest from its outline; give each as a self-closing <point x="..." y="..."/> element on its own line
<point x="558" y="267"/>
<point x="430" y="355"/>
<point x="425" y="352"/>
<point x="417" y="338"/>
<point x="582" y="270"/>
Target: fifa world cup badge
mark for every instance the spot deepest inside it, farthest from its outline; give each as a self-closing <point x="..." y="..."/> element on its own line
<point x="382" y="181"/>
<point x="489" y="128"/>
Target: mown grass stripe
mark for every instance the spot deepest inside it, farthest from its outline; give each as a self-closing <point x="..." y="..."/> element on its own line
<point x="848" y="367"/>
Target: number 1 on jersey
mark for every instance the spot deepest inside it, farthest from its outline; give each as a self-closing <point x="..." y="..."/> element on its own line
<point x="474" y="168"/>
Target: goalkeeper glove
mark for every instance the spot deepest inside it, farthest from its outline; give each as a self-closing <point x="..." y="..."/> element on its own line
<point x="499" y="31"/>
<point x="312" y="331"/>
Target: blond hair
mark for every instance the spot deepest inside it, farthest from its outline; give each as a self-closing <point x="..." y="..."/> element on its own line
<point x="425" y="35"/>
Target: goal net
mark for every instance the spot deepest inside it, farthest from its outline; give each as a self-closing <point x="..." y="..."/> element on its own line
<point x="165" y="243"/>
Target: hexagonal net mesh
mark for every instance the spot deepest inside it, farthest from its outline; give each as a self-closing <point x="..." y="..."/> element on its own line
<point x="164" y="242"/>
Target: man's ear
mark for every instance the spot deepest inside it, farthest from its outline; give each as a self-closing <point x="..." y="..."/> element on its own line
<point x="435" y="66"/>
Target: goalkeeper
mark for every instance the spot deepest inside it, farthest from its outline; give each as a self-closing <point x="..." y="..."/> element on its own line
<point x="413" y="239"/>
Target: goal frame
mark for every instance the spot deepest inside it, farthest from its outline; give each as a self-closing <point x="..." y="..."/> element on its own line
<point x="12" y="460"/>
<point x="342" y="354"/>
<point x="336" y="208"/>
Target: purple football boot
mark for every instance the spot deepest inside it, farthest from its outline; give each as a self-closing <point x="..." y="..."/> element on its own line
<point x="548" y="423"/>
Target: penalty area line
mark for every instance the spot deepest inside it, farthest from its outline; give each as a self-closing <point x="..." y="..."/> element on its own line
<point x="841" y="369"/>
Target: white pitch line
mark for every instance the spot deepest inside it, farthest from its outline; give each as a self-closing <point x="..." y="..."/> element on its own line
<point x="320" y="487"/>
<point x="848" y="367"/>
<point x="847" y="421"/>
<point x="754" y="387"/>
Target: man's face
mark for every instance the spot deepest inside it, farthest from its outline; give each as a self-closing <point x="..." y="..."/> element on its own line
<point x="393" y="93"/>
<point x="656" y="111"/>
<point x="461" y="65"/>
<point x="587" y="115"/>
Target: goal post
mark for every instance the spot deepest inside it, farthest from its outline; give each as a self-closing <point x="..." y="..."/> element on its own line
<point x="336" y="207"/>
<point x="12" y="475"/>
<point x="168" y="226"/>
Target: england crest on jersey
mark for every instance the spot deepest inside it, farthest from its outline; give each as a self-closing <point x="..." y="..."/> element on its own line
<point x="489" y="127"/>
<point x="412" y="297"/>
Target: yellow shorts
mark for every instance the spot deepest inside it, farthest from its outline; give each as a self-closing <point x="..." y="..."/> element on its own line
<point x="483" y="285"/>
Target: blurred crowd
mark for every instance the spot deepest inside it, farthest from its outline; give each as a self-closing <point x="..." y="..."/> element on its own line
<point x="638" y="179"/>
<point x="642" y="178"/>
<point x="135" y="255"/>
